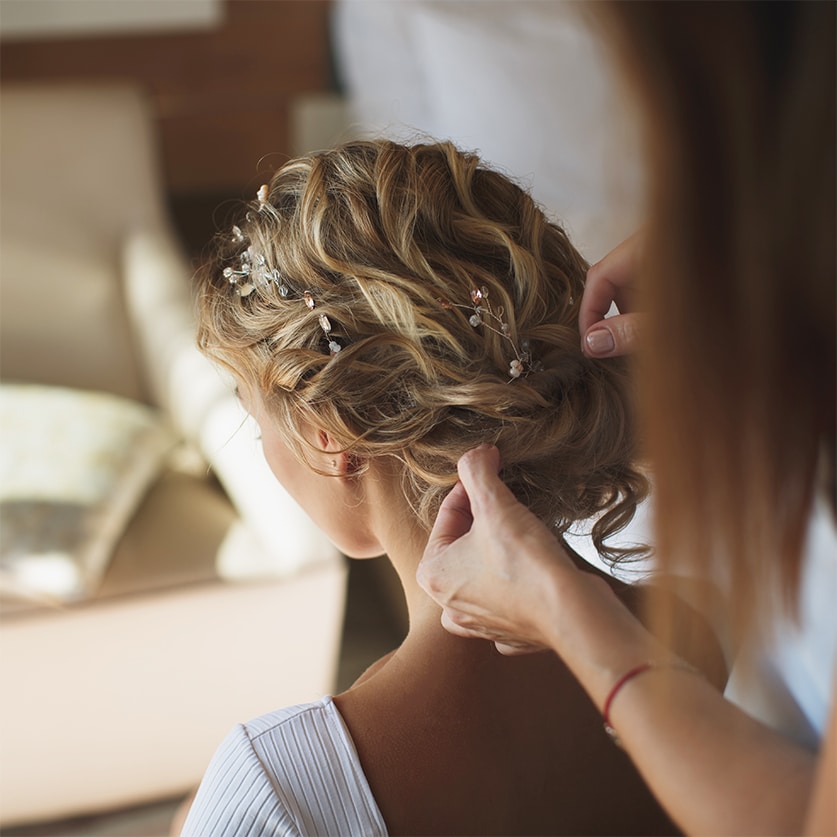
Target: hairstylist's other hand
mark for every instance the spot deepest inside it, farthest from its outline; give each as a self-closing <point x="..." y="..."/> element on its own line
<point x="610" y="280"/>
<point x="488" y="560"/>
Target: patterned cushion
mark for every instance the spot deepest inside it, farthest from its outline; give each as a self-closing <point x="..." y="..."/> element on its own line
<point x="74" y="466"/>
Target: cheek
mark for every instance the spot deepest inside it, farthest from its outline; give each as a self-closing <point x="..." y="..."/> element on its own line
<point x="337" y="511"/>
<point x="280" y="459"/>
<point x="309" y="489"/>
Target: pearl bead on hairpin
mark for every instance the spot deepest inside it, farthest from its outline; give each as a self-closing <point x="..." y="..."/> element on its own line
<point x="483" y="314"/>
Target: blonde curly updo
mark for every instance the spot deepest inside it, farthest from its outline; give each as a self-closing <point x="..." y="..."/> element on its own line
<point x="387" y="240"/>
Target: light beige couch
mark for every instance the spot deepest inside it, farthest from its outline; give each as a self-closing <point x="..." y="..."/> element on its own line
<point x="220" y="600"/>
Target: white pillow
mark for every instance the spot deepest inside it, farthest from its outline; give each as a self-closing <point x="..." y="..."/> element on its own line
<point x="74" y="467"/>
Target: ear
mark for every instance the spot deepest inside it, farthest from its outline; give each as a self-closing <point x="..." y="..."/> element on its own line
<point x="338" y="461"/>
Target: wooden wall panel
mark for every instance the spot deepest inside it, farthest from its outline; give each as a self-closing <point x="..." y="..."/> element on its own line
<point x="222" y="97"/>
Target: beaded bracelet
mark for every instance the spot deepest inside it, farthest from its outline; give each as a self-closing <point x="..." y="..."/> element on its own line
<point x="629" y="675"/>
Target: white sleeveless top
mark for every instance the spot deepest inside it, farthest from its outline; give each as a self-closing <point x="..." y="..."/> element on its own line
<point x="787" y="681"/>
<point x="290" y="772"/>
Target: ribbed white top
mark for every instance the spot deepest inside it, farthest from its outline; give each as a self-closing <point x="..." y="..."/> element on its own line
<point x="290" y="772"/>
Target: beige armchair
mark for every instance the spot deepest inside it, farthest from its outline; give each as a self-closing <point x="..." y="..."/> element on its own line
<point x="217" y="599"/>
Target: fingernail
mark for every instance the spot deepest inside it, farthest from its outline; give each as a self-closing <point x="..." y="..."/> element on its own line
<point x="600" y="342"/>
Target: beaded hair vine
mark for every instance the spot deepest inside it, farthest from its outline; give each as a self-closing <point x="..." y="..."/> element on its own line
<point x="254" y="272"/>
<point x="483" y="315"/>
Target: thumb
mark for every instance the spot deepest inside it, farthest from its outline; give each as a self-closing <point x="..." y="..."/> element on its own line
<point x="452" y="521"/>
<point x="613" y="337"/>
<point x="455" y="517"/>
<point x="479" y="473"/>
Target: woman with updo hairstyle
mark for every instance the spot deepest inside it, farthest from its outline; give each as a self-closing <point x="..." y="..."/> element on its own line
<point x="391" y="242"/>
<point x="383" y="309"/>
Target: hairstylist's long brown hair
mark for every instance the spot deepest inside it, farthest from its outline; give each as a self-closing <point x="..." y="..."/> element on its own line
<point x="739" y="280"/>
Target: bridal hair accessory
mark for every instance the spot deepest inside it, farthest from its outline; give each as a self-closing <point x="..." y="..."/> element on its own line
<point x="325" y="324"/>
<point x="253" y="272"/>
<point x="483" y="314"/>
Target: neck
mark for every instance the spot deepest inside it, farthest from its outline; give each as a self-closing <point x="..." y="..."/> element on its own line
<point x="403" y="541"/>
<point x="404" y="552"/>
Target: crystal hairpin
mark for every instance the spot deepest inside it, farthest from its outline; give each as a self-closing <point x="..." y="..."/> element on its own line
<point x="483" y="314"/>
<point x="253" y="272"/>
<point x="325" y="324"/>
<point x="240" y="278"/>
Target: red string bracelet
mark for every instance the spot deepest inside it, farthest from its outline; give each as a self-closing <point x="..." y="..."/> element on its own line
<point x="629" y="675"/>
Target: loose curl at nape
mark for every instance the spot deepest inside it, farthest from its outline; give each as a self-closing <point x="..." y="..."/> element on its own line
<point x="388" y="242"/>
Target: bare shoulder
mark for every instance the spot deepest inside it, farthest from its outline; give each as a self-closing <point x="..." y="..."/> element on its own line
<point x="454" y="738"/>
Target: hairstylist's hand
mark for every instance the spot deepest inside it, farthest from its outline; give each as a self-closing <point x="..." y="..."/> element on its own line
<point x="489" y="560"/>
<point x="610" y="280"/>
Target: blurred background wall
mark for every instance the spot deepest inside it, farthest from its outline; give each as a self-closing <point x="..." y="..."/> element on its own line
<point x="224" y="77"/>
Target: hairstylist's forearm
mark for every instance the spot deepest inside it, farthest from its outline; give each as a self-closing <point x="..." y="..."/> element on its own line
<point x="714" y="768"/>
